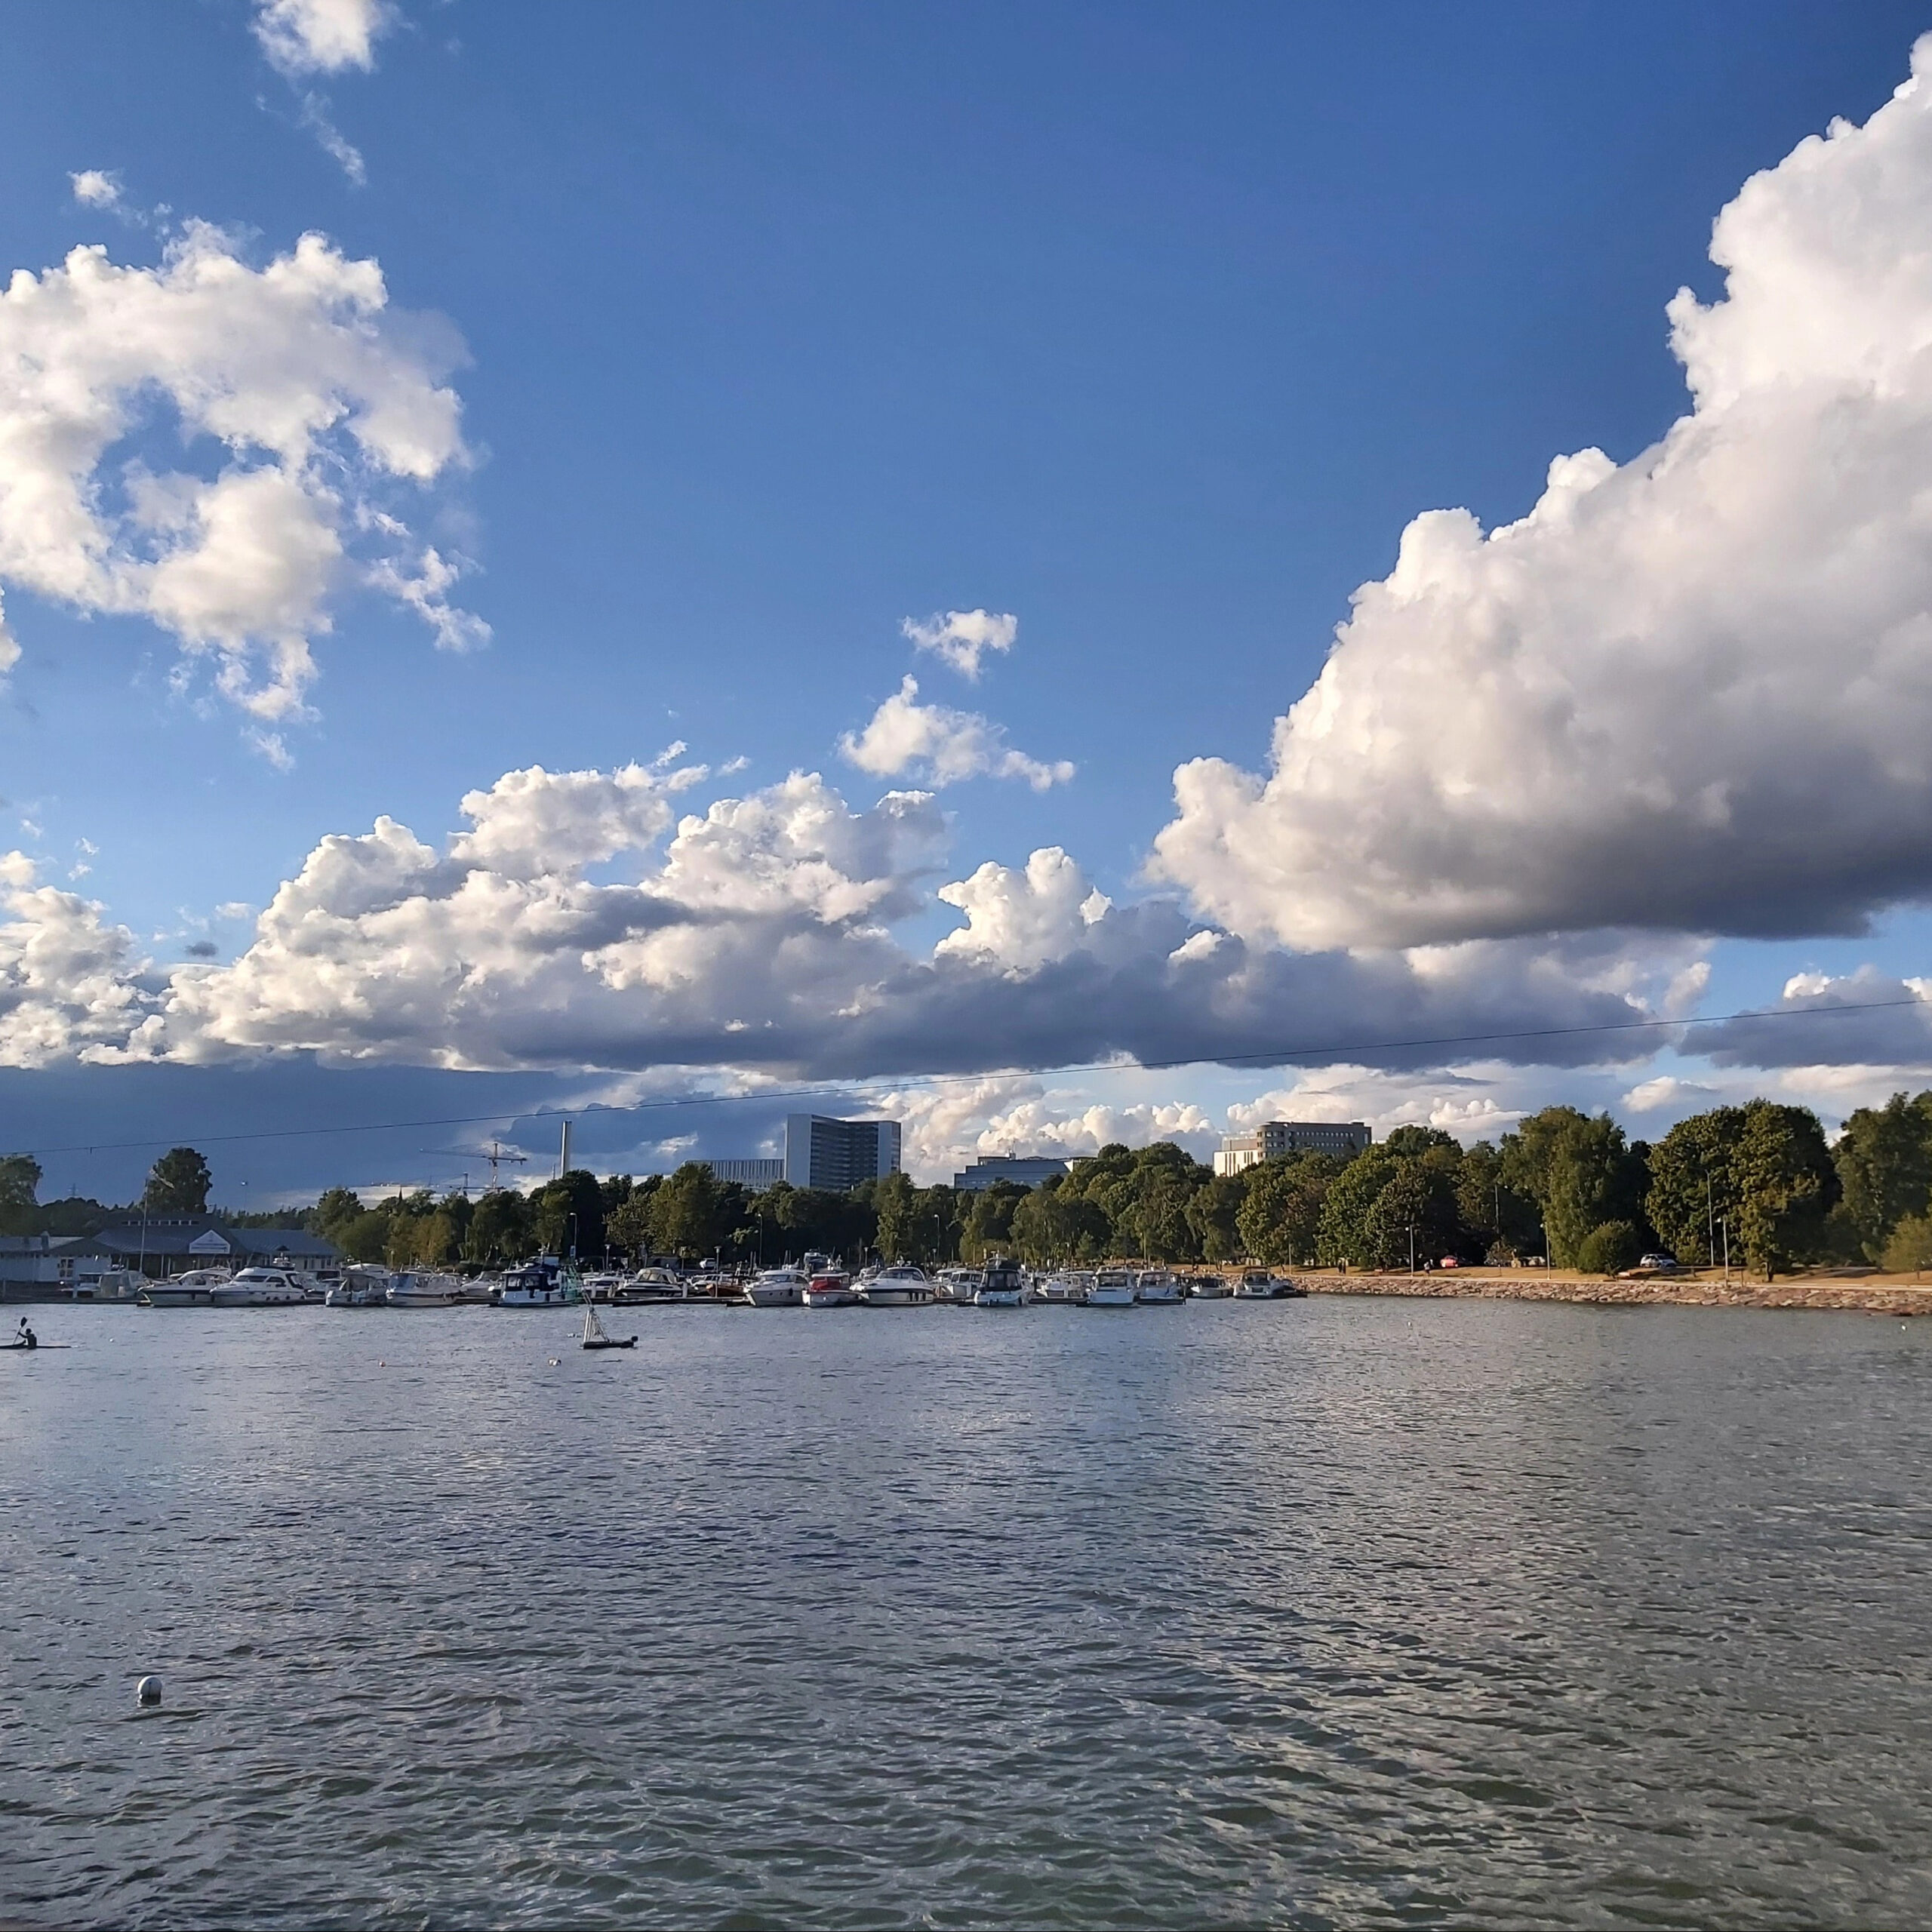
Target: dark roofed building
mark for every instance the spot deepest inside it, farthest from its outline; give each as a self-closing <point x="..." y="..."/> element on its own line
<point x="169" y="1243"/>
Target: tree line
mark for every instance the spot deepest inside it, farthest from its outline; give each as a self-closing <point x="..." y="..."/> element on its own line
<point x="1758" y="1181"/>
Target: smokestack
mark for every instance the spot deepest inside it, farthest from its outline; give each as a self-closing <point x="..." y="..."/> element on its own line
<point x="564" y="1153"/>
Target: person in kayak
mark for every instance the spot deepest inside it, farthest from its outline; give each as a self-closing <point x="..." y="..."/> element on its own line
<point x="26" y="1338"/>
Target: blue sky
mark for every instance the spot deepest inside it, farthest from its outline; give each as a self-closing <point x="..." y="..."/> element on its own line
<point x="1153" y="326"/>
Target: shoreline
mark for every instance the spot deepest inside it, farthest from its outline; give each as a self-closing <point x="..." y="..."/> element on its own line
<point x="1869" y="1294"/>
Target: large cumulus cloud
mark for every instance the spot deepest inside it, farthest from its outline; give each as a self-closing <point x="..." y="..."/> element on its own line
<point x="308" y="395"/>
<point x="761" y="937"/>
<point x="1691" y="693"/>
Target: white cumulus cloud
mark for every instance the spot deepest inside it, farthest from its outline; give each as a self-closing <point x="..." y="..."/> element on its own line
<point x="962" y="637"/>
<point x="69" y="980"/>
<point x="314" y="400"/>
<point x="302" y="37"/>
<point x="1020" y="920"/>
<point x="943" y="745"/>
<point x="97" y="188"/>
<point x="1693" y="692"/>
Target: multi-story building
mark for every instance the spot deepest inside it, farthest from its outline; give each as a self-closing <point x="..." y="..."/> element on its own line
<point x="748" y="1174"/>
<point x="838" y="1154"/>
<point x="1020" y="1170"/>
<point x="1278" y="1138"/>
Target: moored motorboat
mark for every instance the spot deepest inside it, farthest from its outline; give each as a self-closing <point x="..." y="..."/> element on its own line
<point x="776" y="1288"/>
<point x="192" y="1289"/>
<point x="900" y="1286"/>
<point x="261" y="1287"/>
<point x="1111" y="1287"/>
<point x="1258" y="1285"/>
<point x="828" y="1286"/>
<point x="1159" y="1288"/>
<point x="360" y="1287"/>
<point x="1002" y="1284"/>
<point x="544" y="1283"/>
<point x="1062" y="1291"/>
<point x="649" y="1286"/>
<point x="411" y="1290"/>
<point x="601" y="1287"/>
<point x="1207" y="1287"/>
<point x="958" y="1286"/>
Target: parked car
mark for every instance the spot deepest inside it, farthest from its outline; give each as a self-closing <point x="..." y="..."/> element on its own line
<point x="1663" y="1263"/>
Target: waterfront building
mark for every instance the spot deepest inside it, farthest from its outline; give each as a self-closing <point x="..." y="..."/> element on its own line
<point x="837" y="1154"/>
<point x="1018" y="1170"/>
<point x="1279" y="1138"/>
<point x="166" y="1244"/>
<point x="747" y="1173"/>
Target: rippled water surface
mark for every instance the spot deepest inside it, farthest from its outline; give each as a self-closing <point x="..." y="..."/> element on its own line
<point x="1341" y="1613"/>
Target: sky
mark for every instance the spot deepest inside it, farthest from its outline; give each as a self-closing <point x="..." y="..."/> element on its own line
<point x="1065" y="573"/>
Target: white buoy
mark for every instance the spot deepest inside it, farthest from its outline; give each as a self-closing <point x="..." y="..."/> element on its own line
<point x="149" y="1691"/>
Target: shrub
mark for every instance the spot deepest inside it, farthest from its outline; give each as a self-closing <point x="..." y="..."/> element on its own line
<point x="1909" y="1249"/>
<point x="1609" y="1248"/>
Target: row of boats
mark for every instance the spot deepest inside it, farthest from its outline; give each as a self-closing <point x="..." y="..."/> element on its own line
<point x="818" y="1282"/>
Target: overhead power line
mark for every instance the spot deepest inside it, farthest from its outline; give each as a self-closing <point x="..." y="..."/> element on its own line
<point x="825" y="1090"/>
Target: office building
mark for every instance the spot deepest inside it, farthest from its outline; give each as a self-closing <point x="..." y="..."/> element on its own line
<point x="748" y="1174"/>
<point x="836" y="1154"/>
<point x="1279" y="1138"/>
<point x="1020" y="1171"/>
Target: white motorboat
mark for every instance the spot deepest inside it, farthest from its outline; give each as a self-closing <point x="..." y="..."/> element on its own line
<point x="900" y="1286"/>
<point x="1062" y="1291"/>
<point x="601" y="1287"/>
<point x="1112" y="1288"/>
<point x="1160" y="1288"/>
<point x="192" y="1289"/>
<point x="777" y="1287"/>
<point x="1207" y="1287"/>
<point x="544" y="1283"/>
<point x="959" y="1286"/>
<point x="414" y="1290"/>
<point x="1257" y="1286"/>
<point x="360" y="1286"/>
<point x="1002" y="1284"/>
<point x="649" y="1286"/>
<point x="828" y="1286"/>
<point x="261" y="1287"/>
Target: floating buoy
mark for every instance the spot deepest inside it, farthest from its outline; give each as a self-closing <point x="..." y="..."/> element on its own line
<point x="149" y="1691"/>
<point x="556" y="1361"/>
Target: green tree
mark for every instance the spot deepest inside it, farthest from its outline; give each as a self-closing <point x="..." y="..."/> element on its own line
<point x="1884" y="1163"/>
<point x="20" y="1193"/>
<point x="1279" y="1222"/>
<point x="1214" y="1215"/>
<point x="688" y="1216"/>
<point x="1786" y="1186"/>
<point x="988" y="1227"/>
<point x="1414" y="1218"/>
<point x="1580" y="1173"/>
<point x="1060" y="1223"/>
<point x="178" y="1184"/>
<point x="1694" y="1181"/>
<point x="1343" y="1238"/>
<point x="501" y="1228"/>
<point x="1503" y="1222"/>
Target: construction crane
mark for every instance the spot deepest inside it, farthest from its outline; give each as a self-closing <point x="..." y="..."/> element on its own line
<point x="496" y="1154"/>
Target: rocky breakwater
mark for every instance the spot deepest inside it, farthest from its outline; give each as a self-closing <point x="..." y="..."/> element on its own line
<point x="1871" y="1294"/>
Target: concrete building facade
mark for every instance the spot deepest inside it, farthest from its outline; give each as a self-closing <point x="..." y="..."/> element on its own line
<point x="748" y="1174"/>
<point x="1279" y="1138"/>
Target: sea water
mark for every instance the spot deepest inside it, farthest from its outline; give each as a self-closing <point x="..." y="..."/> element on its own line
<point x="1334" y="1613"/>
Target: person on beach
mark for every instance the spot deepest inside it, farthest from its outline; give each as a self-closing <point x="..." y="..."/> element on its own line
<point x="26" y="1338"/>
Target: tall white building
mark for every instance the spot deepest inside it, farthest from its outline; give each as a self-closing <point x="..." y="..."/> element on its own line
<point x="1278" y="1138"/>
